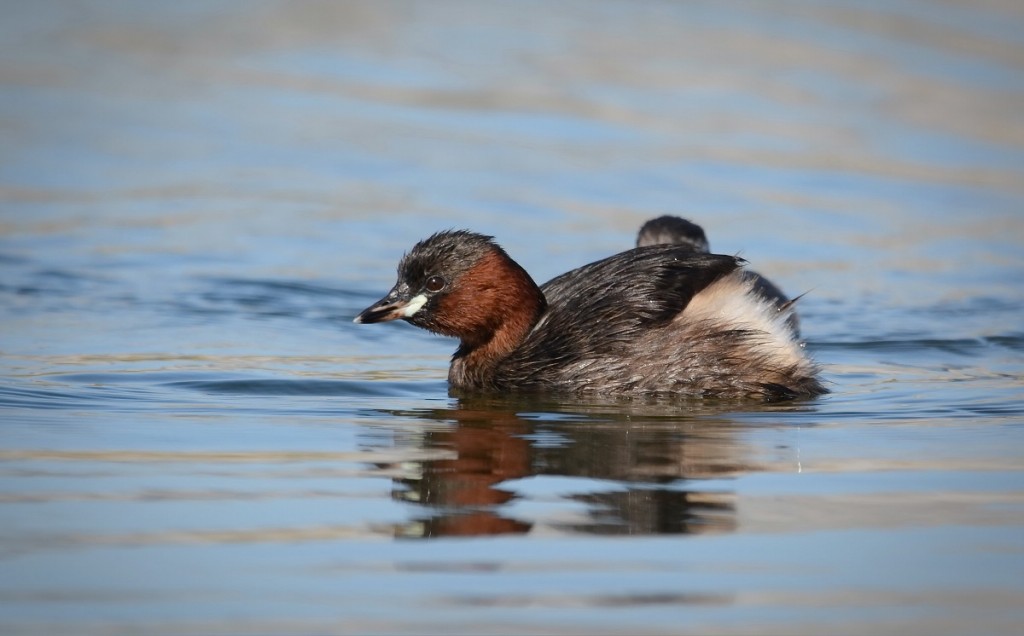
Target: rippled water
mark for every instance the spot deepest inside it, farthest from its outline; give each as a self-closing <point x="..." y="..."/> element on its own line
<point x="196" y="199"/>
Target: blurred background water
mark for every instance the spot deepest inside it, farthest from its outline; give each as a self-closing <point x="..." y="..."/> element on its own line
<point x="197" y="197"/>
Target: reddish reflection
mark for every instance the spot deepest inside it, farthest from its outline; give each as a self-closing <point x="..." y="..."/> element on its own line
<point x="642" y="467"/>
<point x="489" y="450"/>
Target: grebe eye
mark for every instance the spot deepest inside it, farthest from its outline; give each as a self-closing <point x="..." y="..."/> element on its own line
<point x="435" y="284"/>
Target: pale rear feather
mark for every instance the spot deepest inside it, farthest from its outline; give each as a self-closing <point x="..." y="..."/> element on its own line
<point x="731" y="302"/>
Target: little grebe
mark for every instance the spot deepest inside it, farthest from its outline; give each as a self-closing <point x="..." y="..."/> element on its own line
<point x="655" y="319"/>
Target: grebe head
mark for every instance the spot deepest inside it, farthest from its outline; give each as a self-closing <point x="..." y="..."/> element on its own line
<point x="673" y="230"/>
<point x="462" y="284"/>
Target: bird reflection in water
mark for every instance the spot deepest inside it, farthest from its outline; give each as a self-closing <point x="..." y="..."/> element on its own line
<point x="489" y="449"/>
<point x="651" y="461"/>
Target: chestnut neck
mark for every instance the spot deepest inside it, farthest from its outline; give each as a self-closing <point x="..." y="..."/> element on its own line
<point x="499" y="304"/>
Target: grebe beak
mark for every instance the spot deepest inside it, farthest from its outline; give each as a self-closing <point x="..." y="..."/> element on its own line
<point x="397" y="304"/>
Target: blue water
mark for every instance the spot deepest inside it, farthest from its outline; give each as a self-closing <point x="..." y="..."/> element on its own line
<point x="197" y="198"/>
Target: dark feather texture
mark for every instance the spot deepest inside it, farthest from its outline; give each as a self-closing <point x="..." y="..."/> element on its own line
<point x="674" y="230"/>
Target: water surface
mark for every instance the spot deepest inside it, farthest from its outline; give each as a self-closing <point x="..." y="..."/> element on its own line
<point x="196" y="199"/>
